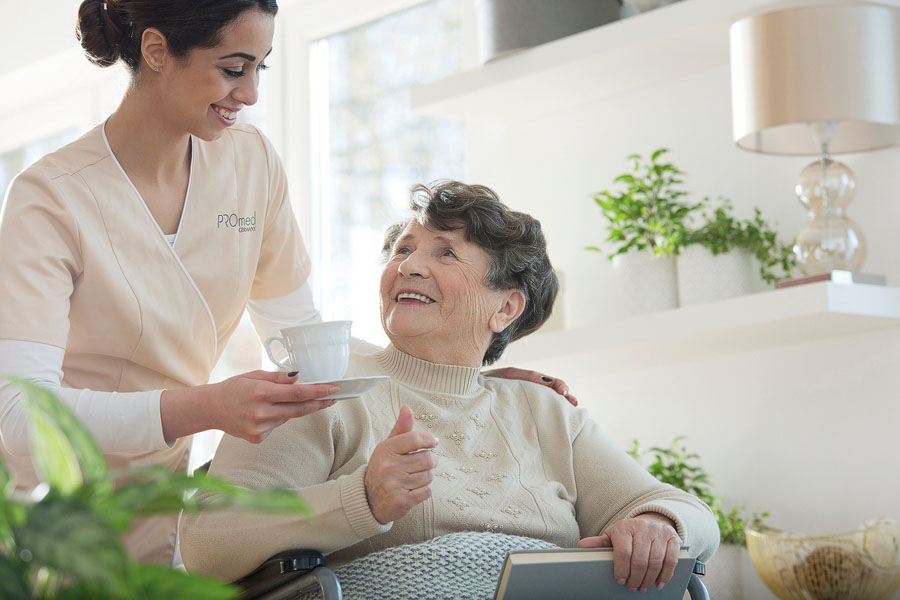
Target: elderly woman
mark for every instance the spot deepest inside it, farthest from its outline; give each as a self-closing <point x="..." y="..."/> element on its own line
<point x="465" y="276"/>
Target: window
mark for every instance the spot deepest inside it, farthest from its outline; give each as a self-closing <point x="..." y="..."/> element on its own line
<point x="14" y="160"/>
<point x="369" y="147"/>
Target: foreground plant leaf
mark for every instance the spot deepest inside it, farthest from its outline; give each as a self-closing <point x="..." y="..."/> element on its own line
<point x="154" y="582"/>
<point x="71" y="539"/>
<point x="12" y="580"/>
<point x="63" y="451"/>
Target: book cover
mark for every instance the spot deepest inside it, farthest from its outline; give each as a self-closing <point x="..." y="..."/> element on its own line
<point x="578" y="573"/>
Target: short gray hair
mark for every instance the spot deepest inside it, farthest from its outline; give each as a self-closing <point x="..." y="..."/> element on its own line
<point x="513" y="241"/>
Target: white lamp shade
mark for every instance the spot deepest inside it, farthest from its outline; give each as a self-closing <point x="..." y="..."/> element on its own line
<point x="836" y="64"/>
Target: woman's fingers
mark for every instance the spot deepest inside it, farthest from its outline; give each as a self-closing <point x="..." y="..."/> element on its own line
<point x="554" y="383"/>
<point x="283" y="411"/>
<point x="273" y="376"/>
<point x="645" y="551"/>
<point x="673" y="546"/>
<point x="410" y="442"/>
<point x="420" y="479"/>
<point x="399" y="473"/>
<point x="655" y="560"/>
<point x="299" y="392"/>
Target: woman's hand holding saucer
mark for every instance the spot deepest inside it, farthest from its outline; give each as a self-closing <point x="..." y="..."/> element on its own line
<point x="251" y="405"/>
<point x="645" y="550"/>
<point x="399" y="473"/>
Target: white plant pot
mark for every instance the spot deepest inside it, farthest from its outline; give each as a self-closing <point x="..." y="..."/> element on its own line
<point x="703" y="277"/>
<point x="645" y="283"/>
<point x="505" y="26"/>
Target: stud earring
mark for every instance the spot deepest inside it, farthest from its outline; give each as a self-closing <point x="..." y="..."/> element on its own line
<point x="156" y="68"/>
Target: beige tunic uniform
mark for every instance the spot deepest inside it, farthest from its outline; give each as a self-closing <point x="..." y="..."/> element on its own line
<point x="85" y="267"/>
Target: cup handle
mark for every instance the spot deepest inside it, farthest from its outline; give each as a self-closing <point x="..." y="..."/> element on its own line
<point x="267" y="344"/>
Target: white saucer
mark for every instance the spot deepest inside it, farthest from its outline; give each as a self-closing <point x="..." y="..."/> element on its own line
<point x="352" y="387"/>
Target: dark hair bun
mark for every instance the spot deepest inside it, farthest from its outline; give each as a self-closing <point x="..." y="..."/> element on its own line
<point x="100" y="31"/>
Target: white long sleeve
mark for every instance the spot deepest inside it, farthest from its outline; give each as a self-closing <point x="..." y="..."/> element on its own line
<point x="122" y="423"/>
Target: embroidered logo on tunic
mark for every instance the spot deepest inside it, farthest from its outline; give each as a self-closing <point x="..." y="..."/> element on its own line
<point x="231" y="221"/>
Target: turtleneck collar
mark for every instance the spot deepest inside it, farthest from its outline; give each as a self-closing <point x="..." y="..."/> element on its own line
<point x="421" y="374"/>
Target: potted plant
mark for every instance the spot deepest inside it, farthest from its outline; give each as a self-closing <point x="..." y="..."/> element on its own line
<point x="716" y="261"/>
<point x="678" y="467"/>
<point x="62" y="541"/>
<point x="651" y="223"/>
<point x="647" y="219"/>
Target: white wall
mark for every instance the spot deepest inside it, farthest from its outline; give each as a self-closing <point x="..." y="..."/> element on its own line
<point x="807" y="432"/>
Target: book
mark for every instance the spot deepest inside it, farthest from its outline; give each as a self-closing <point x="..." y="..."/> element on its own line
<point x="578" y="573"/>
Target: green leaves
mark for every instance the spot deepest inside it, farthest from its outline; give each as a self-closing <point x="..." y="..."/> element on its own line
<point x="155" y="490"/>
<point x="64" y="453"/>
<point x="73" y="540"/>
<point x="151" y="582"/>
<point x="66" y="544"/>
<point x="722" y="232"/>
<point x="647" y="211"/>
<point x="648" y="214"/>
<point x="12" y="580"/>
<point x="678" y="467"/>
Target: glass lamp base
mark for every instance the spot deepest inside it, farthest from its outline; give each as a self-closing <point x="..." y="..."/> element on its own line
<point x="828" y="243"/>
<point x="829" y="240"/>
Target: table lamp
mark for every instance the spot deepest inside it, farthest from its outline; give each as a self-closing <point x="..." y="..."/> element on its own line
<point x="819" y="80"/>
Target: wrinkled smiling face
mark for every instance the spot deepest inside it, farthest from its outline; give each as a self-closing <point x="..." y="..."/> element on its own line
<point x="433" y="293"/>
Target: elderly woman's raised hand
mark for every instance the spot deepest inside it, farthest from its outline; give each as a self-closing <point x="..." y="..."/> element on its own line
<point x="399" y="475"/>
<point x="645" y="550"/>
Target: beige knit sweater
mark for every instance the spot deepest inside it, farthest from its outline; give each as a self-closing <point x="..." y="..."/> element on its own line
<point x="513" y="457"/>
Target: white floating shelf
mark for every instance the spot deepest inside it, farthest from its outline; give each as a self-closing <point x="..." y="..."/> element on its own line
<point x="662" y="44"/>
<point x="775" y="318"/>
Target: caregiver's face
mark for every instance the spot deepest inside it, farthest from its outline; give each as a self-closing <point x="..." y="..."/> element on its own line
<point x="433" y="291"/>
<point x="212" y="85"/>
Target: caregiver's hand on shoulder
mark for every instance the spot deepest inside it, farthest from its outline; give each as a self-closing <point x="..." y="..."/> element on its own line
<point x="645" y="550"/>
<point x="399" y="475"/>
<point x="247" y="406"/>
<point x="558" y="385"/>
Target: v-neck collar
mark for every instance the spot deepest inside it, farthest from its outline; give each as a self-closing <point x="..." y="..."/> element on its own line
<point x="161" y="236"/>
<point x="187" y="194"/>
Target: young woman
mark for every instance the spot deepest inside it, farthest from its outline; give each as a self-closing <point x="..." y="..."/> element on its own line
<point x="128" y="256"/>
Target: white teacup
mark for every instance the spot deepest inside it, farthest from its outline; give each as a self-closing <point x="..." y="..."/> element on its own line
<point x="320" y="352"/>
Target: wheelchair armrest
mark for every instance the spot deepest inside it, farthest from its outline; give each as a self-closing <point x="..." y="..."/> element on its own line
<point x="695" y="588"/>
<point x="278" y="570"/>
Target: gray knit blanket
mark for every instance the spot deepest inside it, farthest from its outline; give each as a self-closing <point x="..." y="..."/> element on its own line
<point x="455" y="566"/>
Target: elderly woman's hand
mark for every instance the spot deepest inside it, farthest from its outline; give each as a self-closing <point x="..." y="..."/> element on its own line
<point x="645" y="550"/>
<point x="399" y="475"/>
<point x="525" y="375"/>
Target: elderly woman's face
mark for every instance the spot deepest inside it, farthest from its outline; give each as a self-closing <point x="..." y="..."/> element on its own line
<point x="433" y="292"/>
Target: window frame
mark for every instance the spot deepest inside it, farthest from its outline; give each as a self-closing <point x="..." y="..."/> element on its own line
<point x="298" y="25"/>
